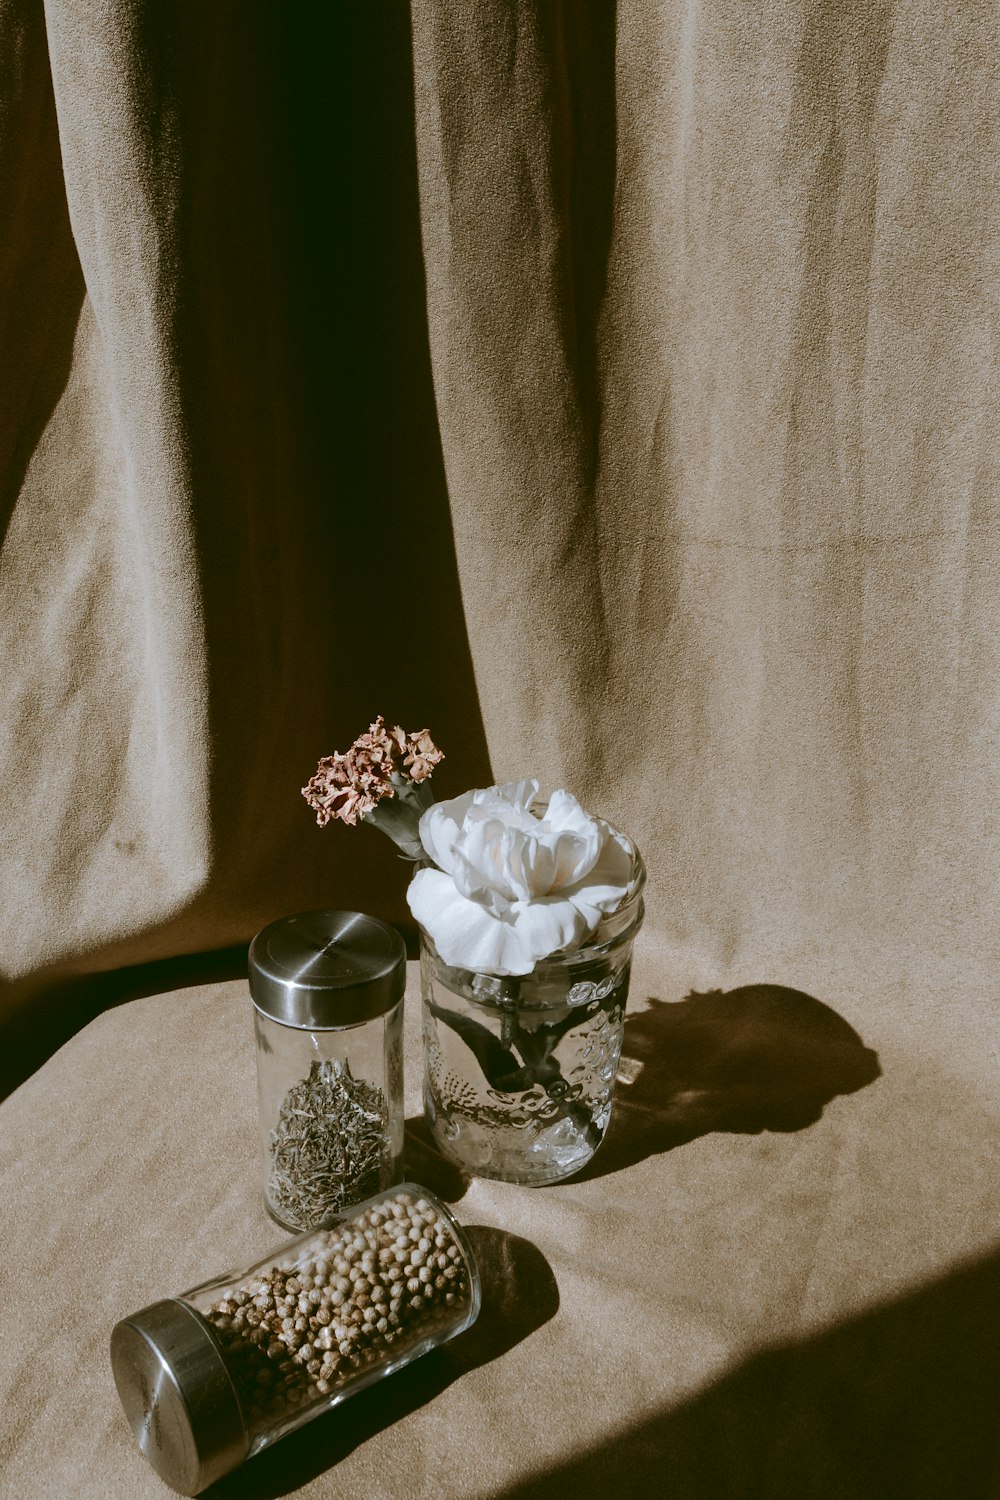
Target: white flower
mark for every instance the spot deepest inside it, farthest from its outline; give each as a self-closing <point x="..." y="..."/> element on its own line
<point x="511" y="887"/>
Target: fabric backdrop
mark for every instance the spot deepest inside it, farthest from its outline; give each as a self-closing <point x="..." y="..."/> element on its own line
<point x="611" y="388"/>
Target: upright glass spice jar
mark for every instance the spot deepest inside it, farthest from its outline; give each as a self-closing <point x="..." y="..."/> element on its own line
<point x="327" y="988"/>
<point x="213" y="1376"/>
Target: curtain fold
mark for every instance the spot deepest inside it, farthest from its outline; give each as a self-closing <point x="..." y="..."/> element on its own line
<point x="231" y="547"/>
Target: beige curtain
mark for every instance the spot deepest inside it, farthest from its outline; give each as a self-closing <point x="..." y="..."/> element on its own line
<point x="611" y="388"/>
<point x="227" y="541"/>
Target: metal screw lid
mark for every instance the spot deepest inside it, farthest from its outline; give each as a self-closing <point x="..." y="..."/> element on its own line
<point x="324" y="969"/>
<point x="178" y="1396"/>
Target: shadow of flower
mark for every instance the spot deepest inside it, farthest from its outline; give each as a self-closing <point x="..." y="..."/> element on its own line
<point x="761" y="1057"/>
<point x="519" y="1295"/>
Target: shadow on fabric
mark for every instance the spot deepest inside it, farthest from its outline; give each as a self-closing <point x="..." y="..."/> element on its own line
<point x="519" y="1295"/>
<point x="761" y="1057"/>
<point x="426" y="1165"/>
<point x="898" y="1404"/>
<point x="30" y="1037"/>
<point x="41" y="284"/>
<point x="324" y="535"/>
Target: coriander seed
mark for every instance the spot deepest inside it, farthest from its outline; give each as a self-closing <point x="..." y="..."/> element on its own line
<point x="235" y="1384"/>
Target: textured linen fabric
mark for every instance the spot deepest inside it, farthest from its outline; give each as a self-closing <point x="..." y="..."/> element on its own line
<point x="227" y="537"/>
<point x="732" y="1301"/>
<point x="613" y="389"/>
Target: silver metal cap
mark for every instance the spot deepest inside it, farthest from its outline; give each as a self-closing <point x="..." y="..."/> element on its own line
<point x="179" y="1399"/>
<point x="324" y="969"/>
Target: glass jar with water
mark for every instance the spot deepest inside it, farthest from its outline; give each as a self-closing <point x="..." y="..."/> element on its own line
<point x="519" y="1073"/>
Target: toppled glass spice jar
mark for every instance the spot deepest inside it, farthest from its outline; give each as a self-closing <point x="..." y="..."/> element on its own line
<point x="327" y="988"/>
<point x="213" y="1376"/>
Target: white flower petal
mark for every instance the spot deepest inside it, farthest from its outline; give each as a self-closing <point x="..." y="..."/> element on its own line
<point x="470" y="883"/>
<point x="579" y="837"/>
<point x="604" y="886"/>
<point x="465" y="934"/>
<point x="575" y="855"/>
<point x="520" y="794"/>
<point x="531" y="862"/>
<point x="478" y="864"/>
<point x="548" y="924"/>
<point x="441" y="825"/>
<point x="565" y="813"/>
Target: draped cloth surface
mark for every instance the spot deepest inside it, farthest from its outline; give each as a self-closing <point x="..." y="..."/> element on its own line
<point x="613" y="389"/>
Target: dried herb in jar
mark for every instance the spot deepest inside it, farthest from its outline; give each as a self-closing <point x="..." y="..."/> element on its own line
<point x="329" y="1146"/>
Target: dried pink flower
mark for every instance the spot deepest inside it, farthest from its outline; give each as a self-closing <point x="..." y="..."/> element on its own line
<point x="350" y="785"/>
<point x="339" y="789"/>
<point x="421" y="755"/>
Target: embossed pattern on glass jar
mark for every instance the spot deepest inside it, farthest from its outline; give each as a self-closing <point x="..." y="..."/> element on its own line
<point x="519" y="1085"/>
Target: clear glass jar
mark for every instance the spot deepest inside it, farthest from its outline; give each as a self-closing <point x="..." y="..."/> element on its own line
<point x="216" y="1374"/>
<point x="519" y="1074"/>
<point x="327" y="989"/>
